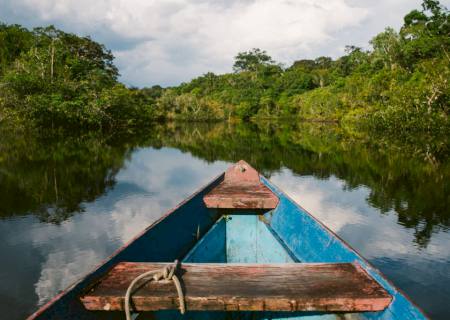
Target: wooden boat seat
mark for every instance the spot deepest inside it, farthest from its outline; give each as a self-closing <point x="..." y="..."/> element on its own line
<point x="238" y="287"/>
<point x="241" y="189"/>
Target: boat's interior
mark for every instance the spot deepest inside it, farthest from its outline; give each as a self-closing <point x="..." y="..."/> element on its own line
<point x="240" y="237"/>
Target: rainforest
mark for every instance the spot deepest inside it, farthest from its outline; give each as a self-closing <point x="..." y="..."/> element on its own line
<point x="50" y="78"/>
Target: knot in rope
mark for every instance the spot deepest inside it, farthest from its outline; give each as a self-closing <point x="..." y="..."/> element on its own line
<point x="166" y="273"/>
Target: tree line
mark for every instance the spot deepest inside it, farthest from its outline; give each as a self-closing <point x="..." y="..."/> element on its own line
<point x="48" y="76"/>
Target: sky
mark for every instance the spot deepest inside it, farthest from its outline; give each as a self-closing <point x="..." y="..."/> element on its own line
<point x="167" y="42"/>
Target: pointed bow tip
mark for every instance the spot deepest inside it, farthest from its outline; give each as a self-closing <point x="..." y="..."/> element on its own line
<point x="241" y="172"/>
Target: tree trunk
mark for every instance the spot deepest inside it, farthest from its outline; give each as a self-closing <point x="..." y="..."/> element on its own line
<point x="52" y="60"/>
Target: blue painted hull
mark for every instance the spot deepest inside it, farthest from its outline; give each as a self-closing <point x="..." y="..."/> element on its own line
<point x="286" y="234"/>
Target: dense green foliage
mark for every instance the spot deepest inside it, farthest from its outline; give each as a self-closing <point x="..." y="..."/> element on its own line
<point x="401" y="84"/>
<point x="56" y="78"/>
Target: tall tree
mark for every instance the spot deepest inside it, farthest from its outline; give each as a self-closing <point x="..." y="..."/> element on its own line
<point x="251" y="60"/>
<point x="387" y="48"/>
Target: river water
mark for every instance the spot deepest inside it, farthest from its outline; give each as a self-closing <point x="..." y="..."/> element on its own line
<point x="68" y="200"/>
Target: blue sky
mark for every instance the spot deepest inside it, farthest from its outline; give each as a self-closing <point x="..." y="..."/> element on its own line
<point x="170" y="41"/>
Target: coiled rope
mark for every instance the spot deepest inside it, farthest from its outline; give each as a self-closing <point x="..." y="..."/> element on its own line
<point x="166" y="273"/>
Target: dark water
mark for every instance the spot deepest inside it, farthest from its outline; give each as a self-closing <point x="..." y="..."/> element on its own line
<point x="67" y="201"/>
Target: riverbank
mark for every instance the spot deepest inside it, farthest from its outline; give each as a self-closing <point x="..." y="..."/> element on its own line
<point x="51" y="78"/>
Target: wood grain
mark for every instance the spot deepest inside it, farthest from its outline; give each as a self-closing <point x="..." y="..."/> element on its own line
<point x="241" y="189"/>
<point x="244" y="287"/>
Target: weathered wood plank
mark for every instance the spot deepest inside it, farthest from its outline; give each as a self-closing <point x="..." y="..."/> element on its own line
<point x="249" y="287"/>
<point x="243" y="196"/>
<point x="241" y="189"/>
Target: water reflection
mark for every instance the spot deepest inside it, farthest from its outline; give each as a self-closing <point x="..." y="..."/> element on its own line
<point x="51" y="176"/>
<point x="411" y="179"/>
<point x="67" y="201"/>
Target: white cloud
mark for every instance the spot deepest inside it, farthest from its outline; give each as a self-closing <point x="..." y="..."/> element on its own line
<point x="200" y="37"/>
<point x="166" y="42"/>
<point x="57" y="273"/>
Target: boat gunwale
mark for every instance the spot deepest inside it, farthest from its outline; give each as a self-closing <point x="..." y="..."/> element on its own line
<point x="274" y="188"/>
<point x="51" y="302"/>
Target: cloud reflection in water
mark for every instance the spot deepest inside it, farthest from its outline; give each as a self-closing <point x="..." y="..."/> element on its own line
<point x="151" y="182"/>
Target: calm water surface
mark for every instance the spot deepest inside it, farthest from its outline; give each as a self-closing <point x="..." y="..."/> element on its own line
<point x="67" y="201"/>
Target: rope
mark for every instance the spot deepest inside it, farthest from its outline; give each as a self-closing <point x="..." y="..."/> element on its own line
<point x="166" y="273"/>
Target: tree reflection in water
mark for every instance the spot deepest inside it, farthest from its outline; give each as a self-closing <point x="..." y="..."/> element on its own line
<point x="50" y="175"/>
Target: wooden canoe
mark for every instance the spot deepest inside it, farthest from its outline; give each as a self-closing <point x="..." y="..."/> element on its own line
<point x="247" y="251"/>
